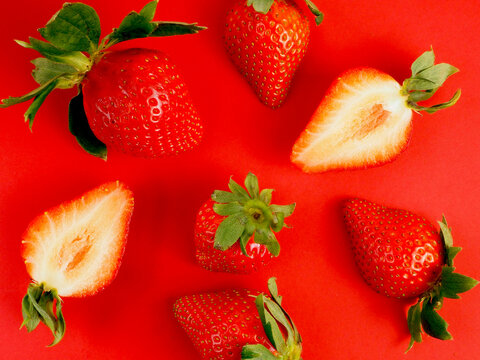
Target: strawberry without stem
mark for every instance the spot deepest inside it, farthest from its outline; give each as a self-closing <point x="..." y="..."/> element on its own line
<point x="365" y="118"/>
<point x="401" y="255"/>
<point x="74" y="249"/>
<point x="267" y="40"/>
<point x="135" y="100"/>
<point x="234" y="231"/>
<point x="226" y="325"/>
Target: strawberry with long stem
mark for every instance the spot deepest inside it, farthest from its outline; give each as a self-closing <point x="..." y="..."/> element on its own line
<point x="234" y="324"/>
<point x="267" y="40"/>
<point x="365" y="119"/>
<point x="74" y="250"/>
<point x="134" y="101"/>
<point x="402" y="255"/>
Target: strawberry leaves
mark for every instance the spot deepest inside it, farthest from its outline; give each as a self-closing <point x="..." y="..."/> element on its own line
<point x="278" y="326"/>
<point x="424" y="315"/>
<point x="248" y="213"/>
<point x="426" y="79"/>
<point x="263" y="7"/>
<point x="38" y="306"/>
<point x="72" y="47"/>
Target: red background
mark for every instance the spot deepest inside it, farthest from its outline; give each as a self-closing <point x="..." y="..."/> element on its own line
<point x="337" y="314"/>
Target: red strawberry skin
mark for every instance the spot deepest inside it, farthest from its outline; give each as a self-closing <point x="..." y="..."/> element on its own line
<point x="220" y="324"/>
<point x="267" y="49"/>
<point x="231" y="260"/>
<point x="137" y="103"/>
<point x="399" y="254"/>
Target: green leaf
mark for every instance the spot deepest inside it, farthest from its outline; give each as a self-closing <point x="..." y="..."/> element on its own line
<point x="414" y="324"/>
<point x="224" y="196"/>
<point x="451" y="253"/>
<point x="435" y="108"/>
<point x="424" y="61"/>
<point x="238" y="190"/>
<point x="133" y="26"/>
<point x="229" y="231"/>
<point x="17" y="100"/>
<point x="261" y="6"/>
<point x="270" y="325"/>
<point x="148" y="11"/>
<point x="278" y="314"/>
<point x="266" y="196"/>
<point x="267" y="238"/>
<point x="314" y="9"/>
<point x="46" y="70"/>
<point x="244" y="238"/>
<point x="273" y="289"/>
<point x="418" y="83"/>
<point x="227" y="209"/>
<point x="76" y="27"/>
<point x="170" y="28"/>
<point x="79" y="127"/>
<point x="416" y="96"/>
<point x="286" y="210"/>
<point x="258" y="352"/>
<point x="433" y="324"/>
<point x="74" y="58"/>
<point x="437" y="74"/>
<point x="38" y="101"/>
<point x="31" y="318"/>
<point x="40" y="305"/>
<point x="279" y="223"/>
<point x="251" y="183"/>
<point x="454" y="283"/>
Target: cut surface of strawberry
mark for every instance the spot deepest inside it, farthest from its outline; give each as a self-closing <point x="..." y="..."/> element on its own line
<point x="364" y="119"/>
<point x="75" y="249"/>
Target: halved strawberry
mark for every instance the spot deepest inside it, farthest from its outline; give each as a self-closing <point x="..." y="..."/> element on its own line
<point x="365" y="118"/>
<point x="74" y="249"/>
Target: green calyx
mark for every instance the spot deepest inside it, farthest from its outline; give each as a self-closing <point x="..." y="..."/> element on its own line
<point x="427" y="78"/>
<point x="424" y="315"/>
<point x="279" y="329"/>
<point x="38" y="305"/>
<point x="249" y="213"/>
<point x="263" y="7"/>
<point x="73" y="46"/>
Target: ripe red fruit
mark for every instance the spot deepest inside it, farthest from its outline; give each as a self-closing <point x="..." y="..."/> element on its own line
<point x="225" y="325"/>
<point x="267" y="42"/>
<point x="132" y="100"/>
<point x="75" y="250"/>
<point x="234" y="231"/>
<point x="402" y="255"/>
<point x="364" y="119"/>
<point x="137" y="103"/>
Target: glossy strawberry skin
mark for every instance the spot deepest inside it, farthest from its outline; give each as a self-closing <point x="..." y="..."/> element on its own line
<point x="399" y="254"/>
<point x="267" y="49"/>
<point x="137" y="103"/>
<point x="220" y="324"/>
<point x="231" y="260"/>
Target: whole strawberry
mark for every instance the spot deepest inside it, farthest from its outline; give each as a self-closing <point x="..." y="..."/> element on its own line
<point x="234" y="231"/>
<point x="74" y="250"/>
<point x="402" y="255"/>
<point x="131" y="100"/>
<point x="267" y="40"/>
<point x="239" y="324"/>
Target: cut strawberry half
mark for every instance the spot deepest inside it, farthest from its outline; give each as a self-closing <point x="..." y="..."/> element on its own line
<point x="365" y="118"/>
<point x="74" y="249"/>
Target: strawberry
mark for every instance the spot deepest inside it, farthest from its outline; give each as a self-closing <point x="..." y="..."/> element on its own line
<point x="267" y="40"/>
<point x="224" y="325"/>
<point x="234" y="231"/>
<point x="133" y="101"/>
<point x="365" y="118"/>
<point x="74" y="250"/>
<point x="401" y="255"/>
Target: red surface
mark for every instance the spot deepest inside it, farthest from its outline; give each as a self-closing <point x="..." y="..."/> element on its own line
<point x="337" y="314"/>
